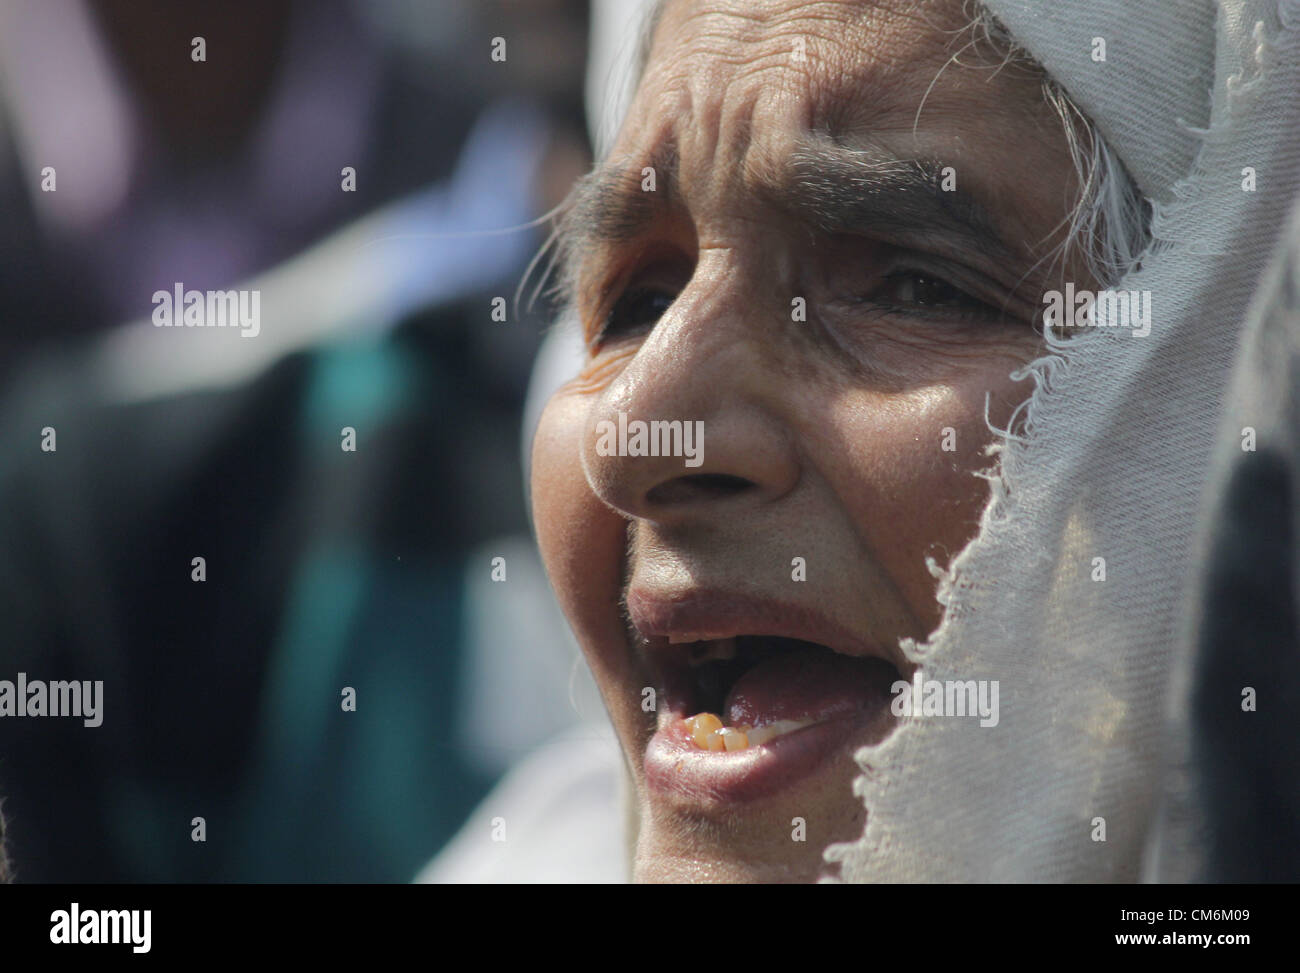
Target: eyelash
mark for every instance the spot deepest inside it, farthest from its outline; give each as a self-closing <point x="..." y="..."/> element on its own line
<point x="972" y="307"/>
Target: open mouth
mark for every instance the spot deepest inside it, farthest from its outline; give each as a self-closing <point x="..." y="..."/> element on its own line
<point x="748" y="690"/>
<point x="744" y="715"/>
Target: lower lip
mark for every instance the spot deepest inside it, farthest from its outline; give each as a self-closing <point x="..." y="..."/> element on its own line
<point x="675" y="767"/>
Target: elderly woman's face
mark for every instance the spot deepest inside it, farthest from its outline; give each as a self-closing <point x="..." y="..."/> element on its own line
<point x="807" y="282"/>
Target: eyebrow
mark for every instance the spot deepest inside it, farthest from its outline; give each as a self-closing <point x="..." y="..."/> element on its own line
<point x="830" y="187"/>
<point x="608" y="206"/>
<point x="868" y="191"/>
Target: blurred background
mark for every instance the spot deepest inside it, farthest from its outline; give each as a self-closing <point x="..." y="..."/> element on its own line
<point x="128" y="165"/>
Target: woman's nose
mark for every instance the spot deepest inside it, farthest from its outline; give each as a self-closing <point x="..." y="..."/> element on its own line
<point x="696" y="419"/>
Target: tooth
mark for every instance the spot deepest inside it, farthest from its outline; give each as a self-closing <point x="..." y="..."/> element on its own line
<point x="701" y="727"/>
<point x="708" y="732"/>
<point x="782" y="727"/>
<point x="733" y="739"/>
<point x="778" y="728"/>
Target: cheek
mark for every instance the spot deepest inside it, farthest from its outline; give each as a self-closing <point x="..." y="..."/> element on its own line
<point x="907" y="469"/>
<point x="582" y="542"/>
<point x="579" y="537"/>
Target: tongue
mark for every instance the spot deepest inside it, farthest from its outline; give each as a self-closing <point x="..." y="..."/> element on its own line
<point x="808" y="683"/>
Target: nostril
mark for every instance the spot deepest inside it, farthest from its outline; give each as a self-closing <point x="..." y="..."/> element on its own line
<point x="699" y="486"/>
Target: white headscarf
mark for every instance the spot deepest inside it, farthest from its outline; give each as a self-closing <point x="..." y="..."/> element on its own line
<point x="1113" y="463"/>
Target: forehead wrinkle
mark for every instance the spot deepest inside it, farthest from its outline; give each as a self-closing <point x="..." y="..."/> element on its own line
<point x="761" y="16"/>
<point x="755" y="41"/>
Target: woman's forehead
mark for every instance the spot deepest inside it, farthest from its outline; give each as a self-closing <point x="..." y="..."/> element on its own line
<point x="820" y="56"/>
<point x="753" y="79"/>
<point x="734" y="95"/>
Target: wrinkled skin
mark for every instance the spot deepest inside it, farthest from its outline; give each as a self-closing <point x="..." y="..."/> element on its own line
<point x="831" y="429"/>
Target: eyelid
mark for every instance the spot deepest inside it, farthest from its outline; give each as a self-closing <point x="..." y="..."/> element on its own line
<point x="604" y="297"/>
<point x="974" y="284"/>
<point x="990" y="281"/>
<point x="639" y="273"/>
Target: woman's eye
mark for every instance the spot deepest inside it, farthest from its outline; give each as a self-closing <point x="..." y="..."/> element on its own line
<point x="636" y="310"/>
<point x="920" y="291"/>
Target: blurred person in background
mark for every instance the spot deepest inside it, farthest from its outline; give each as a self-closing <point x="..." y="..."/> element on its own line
<point x="124" y="161"/>
<point x="317" y="692"/>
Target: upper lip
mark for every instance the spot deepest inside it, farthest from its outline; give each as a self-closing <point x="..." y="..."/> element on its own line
<point x="661" y="618"/>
